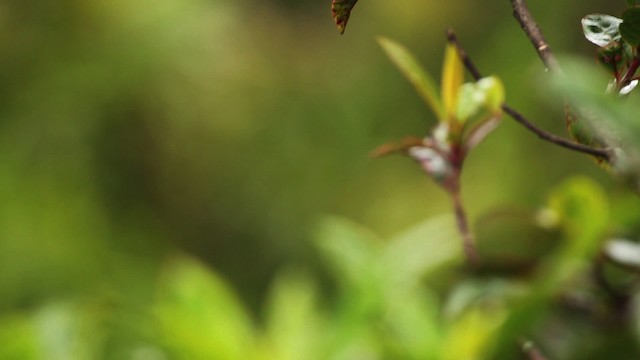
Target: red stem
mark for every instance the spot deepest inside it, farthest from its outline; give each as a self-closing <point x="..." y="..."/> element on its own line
<point x="631" y="71"/>
<point x="468" y="241"/>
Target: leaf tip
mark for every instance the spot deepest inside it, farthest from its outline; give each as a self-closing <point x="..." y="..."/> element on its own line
<point x="341" y="10"/>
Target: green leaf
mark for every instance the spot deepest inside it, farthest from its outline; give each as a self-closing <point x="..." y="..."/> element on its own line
<point x="351" y="250"/>
<point x="613" y="120"/>
<point x="412" y="325"/>
<point x="494" y="92"/>
<point x="632" y="2"/>
<point x="485" y="94"/>
<point x="341" y="10"/>
<point x="471" y="335"/>
<point x="408" y="65"/>
<point x="601" y="29"/>
<point x="583" y="210"/>
<point x="470" y="101"/>
<point x="79" y="331"/>
<point x="19" y="338"/>
<point x="199" y="316"/>
<point x="423" y="248"/>
<point x="452" y="79"/>
<point x="630" y="28"/>
<point x="293" y="320"/>
<point x="582" y="206"/>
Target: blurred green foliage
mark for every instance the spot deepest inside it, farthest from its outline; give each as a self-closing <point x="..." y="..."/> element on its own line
<point x="166" y="168"/>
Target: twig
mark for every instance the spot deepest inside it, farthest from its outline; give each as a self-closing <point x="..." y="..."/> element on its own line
<point x="468" y="242"/>
<point x="542" y="134"/>
<point x="558" y="140"/>
<point x="523" y="15"/>
<point x="452" y="39"/>
<point x="631" y="71"/>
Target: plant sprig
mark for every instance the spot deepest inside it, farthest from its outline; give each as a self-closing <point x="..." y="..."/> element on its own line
<point x="467" y="113"/>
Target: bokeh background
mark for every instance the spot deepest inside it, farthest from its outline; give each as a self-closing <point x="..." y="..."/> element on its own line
<point x="135" y="130"/>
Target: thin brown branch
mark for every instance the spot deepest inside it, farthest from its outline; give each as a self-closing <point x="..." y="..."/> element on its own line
<point x="521" y="119"/>
<point x="523" y="15"/>
<point x="631" y="71"/>
<point x="452" y="38"/>
<point x="468" y="241"/>
<point x="558" y="140"/>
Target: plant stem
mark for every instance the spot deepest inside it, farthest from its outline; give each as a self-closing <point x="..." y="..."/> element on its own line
<point x="528" y="24"/>
<point x="631" y="71"/>
<point x="468" y="241"/>
<point x="521" y="119"/>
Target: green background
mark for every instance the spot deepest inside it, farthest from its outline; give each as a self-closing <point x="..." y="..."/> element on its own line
<point x="135" y="132"/>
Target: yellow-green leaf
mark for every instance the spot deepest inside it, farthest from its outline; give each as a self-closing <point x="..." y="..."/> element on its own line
<point x="199" y="316"/>
<point x="452" y="79"/>
<point x="482" y="98"/>
<point x="408" y="65"/>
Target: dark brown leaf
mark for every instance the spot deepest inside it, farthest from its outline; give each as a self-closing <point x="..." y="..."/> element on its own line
<point x="341" y="9"/>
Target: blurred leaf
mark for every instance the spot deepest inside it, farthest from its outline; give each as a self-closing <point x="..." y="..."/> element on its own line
<point x="423" y="248"/>
<point x="452" y="79"/>
<point x="583" y="211"/>
<point x="411" y="312"/>
<point x="632" y="2"/>
<point x="362" y="345"/>
<point x="601" y="29"/>
<point x="384" y="291"/>
<point x="583" y="208"/>
<point x="470" y="335"/>
<point x="630" y="27"/>
<point x="476" y="309"/>
<point x="18" y="340"/>
<point x="341" y="10"/>
<point x="412" y="325"/>
<point x="580" y="129"/>
<point x="469" y="293"/>
<point x="612" y="120"/>
<point x="409" y="66"/>
<point x="199" y="316"/>
<point x="68" y="331"/>
<point x="293" y="321"/>
<point x="352" y="250"/>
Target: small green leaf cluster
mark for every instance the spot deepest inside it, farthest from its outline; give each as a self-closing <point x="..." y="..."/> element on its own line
<point x="467" y="112"/>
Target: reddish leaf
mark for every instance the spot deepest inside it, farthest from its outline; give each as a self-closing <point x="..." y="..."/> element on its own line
<point x="341" y="9"/>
